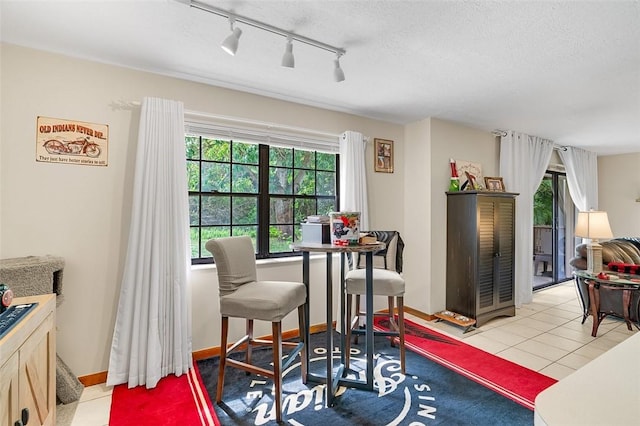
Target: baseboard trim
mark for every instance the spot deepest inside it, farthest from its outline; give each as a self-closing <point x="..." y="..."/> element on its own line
<point x="101" y="377"/>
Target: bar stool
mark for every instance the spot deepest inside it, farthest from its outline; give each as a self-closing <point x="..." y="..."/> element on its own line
<point x="243" y="296"/>
<point x="387" y="281"/>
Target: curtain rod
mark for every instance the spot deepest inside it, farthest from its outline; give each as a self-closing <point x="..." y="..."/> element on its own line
<point x="503" y="133"/>
<point x="128" y="105"/>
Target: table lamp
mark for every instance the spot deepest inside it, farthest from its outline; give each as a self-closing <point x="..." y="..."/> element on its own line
<point x="593" y="225"/>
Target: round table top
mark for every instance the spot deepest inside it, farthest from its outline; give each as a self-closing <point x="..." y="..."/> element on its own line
<point x="330" y="248"/>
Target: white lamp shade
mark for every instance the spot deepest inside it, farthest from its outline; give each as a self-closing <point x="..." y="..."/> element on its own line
<point x="288" y="60"/>
<point x="230" y="44"/>
<point x="338" y="74"/>
<point x="593" y="225"/>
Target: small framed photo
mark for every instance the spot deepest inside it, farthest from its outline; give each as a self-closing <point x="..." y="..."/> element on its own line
<point x="383" y="155"/>
<point x="494" y="184"/>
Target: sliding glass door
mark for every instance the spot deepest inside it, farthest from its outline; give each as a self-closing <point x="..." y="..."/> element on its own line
<point x="553" y="239"/>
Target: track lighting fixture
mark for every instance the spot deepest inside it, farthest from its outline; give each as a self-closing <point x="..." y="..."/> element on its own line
<point x="338" y="74"/>
<point x="230" y="44"/>
<point x="288" y="60"/>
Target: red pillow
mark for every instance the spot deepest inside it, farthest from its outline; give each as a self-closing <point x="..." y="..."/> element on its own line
<point x="627" y="268"/>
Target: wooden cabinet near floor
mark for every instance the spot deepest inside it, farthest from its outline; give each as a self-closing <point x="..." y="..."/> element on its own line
<point x="27" y="366"/>
<point x="480" y="254"/>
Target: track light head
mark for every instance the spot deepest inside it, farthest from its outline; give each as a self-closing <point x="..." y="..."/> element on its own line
<point x="230" y="44"/>
<point x="288" y="60"/>
<point x="338" y="74"/>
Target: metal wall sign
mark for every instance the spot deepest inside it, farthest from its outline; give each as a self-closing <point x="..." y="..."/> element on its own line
<point x="71" y="142"/>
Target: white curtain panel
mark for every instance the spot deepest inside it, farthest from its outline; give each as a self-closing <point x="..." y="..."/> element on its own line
<point x="582" y="177"/>
<point x="523" y="162"/>
<point x="152" y="335"/>
<point x="353" y="176"/>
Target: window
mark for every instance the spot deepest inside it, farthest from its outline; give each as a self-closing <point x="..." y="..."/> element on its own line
<point x="263" y="191"/>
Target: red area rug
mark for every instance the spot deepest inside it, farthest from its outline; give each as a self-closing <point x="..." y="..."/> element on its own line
<point x="507" y="378"/>
<point x="174" y="401"/>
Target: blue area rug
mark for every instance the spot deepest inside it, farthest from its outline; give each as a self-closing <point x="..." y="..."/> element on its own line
<point x="429" y="394"/>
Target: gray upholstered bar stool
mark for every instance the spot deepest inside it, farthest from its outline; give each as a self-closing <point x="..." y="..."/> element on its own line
<point x="243" y="296"/>
<point x="387" y="281"/>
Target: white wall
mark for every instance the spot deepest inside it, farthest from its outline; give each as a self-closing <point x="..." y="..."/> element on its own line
<point x="82" y="213"/>
<point x="618" y="190"/>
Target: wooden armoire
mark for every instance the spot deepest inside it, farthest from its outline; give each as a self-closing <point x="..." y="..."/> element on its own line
<point x="480" y="254"/>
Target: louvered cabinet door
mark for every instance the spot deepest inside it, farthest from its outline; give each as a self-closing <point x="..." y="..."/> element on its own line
<point x="480" y="254"/>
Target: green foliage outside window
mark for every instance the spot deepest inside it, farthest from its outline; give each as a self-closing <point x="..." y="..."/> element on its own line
<point x="224" y="192"/>
<point x="543" y="204"/>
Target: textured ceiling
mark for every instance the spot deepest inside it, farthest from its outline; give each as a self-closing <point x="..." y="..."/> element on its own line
<point x="568" y="71"/>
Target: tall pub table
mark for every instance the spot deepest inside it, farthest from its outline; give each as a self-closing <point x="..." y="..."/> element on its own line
<point x="334" y="379"/>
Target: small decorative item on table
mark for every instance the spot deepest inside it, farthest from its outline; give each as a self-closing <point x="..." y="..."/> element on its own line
<point x="345" y="228"/>
<point x="471" y="184"/>
<point x="494" y="184"/>
<point x="454" y="183"/>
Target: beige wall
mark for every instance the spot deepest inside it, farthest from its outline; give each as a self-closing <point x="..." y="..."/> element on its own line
<point x="417" y="213"/>
<point x="82" y="213"/>
<point x="452" y="140"/>
<point x="618" y="190"/>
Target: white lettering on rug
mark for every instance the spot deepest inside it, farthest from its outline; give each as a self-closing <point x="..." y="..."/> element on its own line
<point x="388" y="380"/>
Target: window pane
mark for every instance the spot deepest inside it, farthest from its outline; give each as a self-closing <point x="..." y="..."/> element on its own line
<point x="304" y="207"/>
<point x="281" y="210"/>
<point x="195" y="239"/>
<point x="280" y="237"/>
<point x="304" y="159"/>
<point x="280" y="157"/>
<point x="194" y="210"/>
<point x="245" y="179"/>
<point x="216" y="210"/>
<point x="216" y="177"/>
<point x="297" y="229"/>
<point x="326" y="206"/>
<point x="280" y="180"/>
<point x="326" y="161"/>
<point x="245" y="211"/>
<point x="193" y="175"/>
<point x="245" y="153"/>
<point x="326" y="183"/>
<point x="193" y="147"/>
<point x="304" y="182"/>
<point x="216" y="150"/>
<point x="209" y="233"/>
<point x="251" y="231"/>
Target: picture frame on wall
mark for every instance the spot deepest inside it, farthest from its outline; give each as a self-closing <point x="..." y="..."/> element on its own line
<point x="383" y="155"/>
<point x="494" y="184"/>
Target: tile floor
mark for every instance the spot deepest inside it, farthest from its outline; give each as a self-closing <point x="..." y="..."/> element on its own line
<point x="545" y="336"/>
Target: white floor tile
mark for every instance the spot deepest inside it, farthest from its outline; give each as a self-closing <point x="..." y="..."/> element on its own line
<point x="574" y="360"/>
<point x="96" y="391"/>
<point x="582" y="336"/>
<point x="486" y="344"/>
<point x="504" y="337"/>
<point x="543" y="350"/>
<point x="557" y="371"/>
<point x="558" y="342"/>
<point x="535" y="324"/>
<point x="94" y="412"/>
<point x="526" y="359"/>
